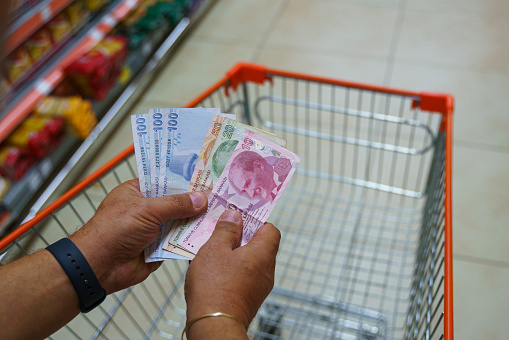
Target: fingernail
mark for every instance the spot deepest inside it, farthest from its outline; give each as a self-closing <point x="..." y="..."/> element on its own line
<point x="231" y="216"/>
<point x="197" y="198"/>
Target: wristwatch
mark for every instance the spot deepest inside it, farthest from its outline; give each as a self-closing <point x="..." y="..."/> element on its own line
<point x="86" y="284"/>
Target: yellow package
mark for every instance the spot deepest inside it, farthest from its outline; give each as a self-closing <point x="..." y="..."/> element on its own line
<point x="95" y="5"/>
<point x="77" y="112"/>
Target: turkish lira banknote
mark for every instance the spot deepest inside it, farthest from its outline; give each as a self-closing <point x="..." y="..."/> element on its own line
<point x="251" y="182"/>
<point x="175" y="136"/>
<point x="191" y="149"/>
<point x="228" y="136"/>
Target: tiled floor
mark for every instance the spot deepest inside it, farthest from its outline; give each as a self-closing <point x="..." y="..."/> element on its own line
<point x="457" y="46"/>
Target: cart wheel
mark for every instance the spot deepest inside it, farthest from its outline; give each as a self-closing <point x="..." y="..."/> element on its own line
<point x="269" y="326"/>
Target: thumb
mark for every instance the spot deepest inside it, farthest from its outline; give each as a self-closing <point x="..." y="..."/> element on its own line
<point x="176" y="206"/>
<point x="228" y="231"/>
<point x="265" y="239"/>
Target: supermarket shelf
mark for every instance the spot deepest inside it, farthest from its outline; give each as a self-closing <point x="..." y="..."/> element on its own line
<point x="127" y="97"/>
<point x="23" y="192"/>
<point x="26" y="100"/>
<point x="31" y="21"/>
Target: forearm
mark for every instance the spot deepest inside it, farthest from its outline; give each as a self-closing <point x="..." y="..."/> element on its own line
<point x="216" y="328"/>
<point x="36" y="297"/>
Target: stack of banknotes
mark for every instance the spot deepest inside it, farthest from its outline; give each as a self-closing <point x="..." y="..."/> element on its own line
<point x="238" y="166"/>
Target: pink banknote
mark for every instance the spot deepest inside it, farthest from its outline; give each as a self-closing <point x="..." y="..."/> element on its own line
<point x="252" y="181"/>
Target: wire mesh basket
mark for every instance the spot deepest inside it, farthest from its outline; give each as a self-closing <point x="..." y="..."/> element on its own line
<point x="366" y="249"/>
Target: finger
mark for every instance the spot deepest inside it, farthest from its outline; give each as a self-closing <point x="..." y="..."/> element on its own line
<point x="176" y="206"/>
<point x="228" y="231"/>
<point x="153" y="266"/>
<point x="133" y="183"/>
<point x="266" y="238"/>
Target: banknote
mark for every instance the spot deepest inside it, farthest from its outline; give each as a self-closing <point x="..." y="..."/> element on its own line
<point x="176" y="136"/>
<point x="251" y="182"/>
<point x="228" y="136"/>
<point x="181" y="139"/>
<point x="155" y="125"/>
<point x="141" y="140"/>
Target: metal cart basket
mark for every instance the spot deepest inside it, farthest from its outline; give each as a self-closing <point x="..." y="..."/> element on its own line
<point x="366" y="249"/>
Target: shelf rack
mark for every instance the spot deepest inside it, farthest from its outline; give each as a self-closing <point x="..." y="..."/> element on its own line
<point x="25" y="101"/>
<point x="28" y="23"/>
<point x="53" y="175"/>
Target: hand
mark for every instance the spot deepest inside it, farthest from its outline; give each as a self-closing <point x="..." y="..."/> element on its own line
<point x="126" y="223"/>
<point x="224" y="277"/>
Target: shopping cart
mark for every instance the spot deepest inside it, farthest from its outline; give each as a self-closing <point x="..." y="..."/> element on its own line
<point x="366" y="249"/>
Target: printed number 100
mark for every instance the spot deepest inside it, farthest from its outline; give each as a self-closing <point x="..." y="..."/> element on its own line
<point x="157" y="122"/>
<point x="172" y="121"/>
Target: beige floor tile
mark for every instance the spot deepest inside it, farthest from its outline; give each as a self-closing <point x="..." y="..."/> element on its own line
<point x="491" y="8"/>
<point x="238" y="22"/>
<point x="454" y="40"/>
<point x="481" y="99"/>
<point x="480" y="199"/>
<point x="375" y="3"/>
<point x="480" y="301"/>
<point x="195" y="67"/>
<point x="335" y="26"/>
<point x="347" y="68"/>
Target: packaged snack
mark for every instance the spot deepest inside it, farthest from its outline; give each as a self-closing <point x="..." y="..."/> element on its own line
<point x="37" y="135"/>
<point x="135" y="16"/>
<point x="77" y="13"/>
<point x="14" y="162"/>
<point x="17" y="64"/>
<point x="39" y="44"/>
<point x="95" y="72"/>
<point x="4" y="186"/>
<point x="60" y="28"/>
<point x="95" y="5"/>
<point x="65" y="88"/>
<point x="77" y="112"/>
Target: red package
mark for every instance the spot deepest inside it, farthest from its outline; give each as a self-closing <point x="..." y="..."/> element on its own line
<point x="14" y="162"/>
<point x="96" y="71"/>
<point x="38" y="135"/>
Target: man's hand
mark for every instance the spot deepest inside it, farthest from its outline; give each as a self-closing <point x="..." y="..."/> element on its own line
<point x="224" y="277"/>
<point x="126" y="223"/>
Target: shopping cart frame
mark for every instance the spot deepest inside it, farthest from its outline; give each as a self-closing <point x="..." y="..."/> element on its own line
<point x="243" y="73"/>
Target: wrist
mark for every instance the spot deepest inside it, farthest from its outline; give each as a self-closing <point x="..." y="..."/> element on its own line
<point x="202" y="307"/>
<point x="217" y="327"/>
<point x="96" y="256"/>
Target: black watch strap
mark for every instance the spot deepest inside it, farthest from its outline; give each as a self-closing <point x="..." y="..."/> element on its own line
<point x="86" y="284"/>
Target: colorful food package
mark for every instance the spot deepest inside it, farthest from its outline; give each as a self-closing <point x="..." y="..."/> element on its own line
<point x="4" y="186"/>
<point x="77" y="112"/>
<point x="95" y="5"/>
<point x="96" y="72"/>
<point x="135" y="16"/>
<point x="17" y="64"/>
<point x="38" y="135"/>
<point x="14" y="162"/>
<point x="5" y="87"/>
<point x="39" y="44"/>
<point x="65" y="88"/>
<point x="77" y="13"/>
<point x="60" y="28"/>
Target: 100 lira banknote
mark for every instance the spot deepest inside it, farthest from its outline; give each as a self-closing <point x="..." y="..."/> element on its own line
<point x="175" y="138"/>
